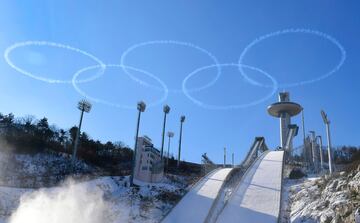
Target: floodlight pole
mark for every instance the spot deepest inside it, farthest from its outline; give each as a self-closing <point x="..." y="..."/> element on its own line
<point x="313" y="140"/>
<point x="327" y="124"/>
<point x="83" y="106"/>
<point x="321" y="153"/>
<point x="232" y="159"/>
<point x="166" y="111"/>
<point x="170" y="135"/>
<point x="303" y="124"/>
<point x="305" y="154"/>
<point x="182" y="119"/>
<point x="224" y="157"/>
<point x="329" y="146"/>
<point x="141" y="108"/>
<point x="77" y="139"/>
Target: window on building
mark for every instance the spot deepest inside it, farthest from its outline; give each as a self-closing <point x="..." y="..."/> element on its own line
<point x="144" y="168"/>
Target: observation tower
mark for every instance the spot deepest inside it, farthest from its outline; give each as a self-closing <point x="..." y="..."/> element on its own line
<point x="285" y="109"/>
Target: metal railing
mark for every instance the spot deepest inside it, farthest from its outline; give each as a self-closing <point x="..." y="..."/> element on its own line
<point x="257" y="150"/>
<point x="257" y="147"/>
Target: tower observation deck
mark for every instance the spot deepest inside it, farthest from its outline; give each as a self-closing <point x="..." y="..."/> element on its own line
<point x="284" y="110"/>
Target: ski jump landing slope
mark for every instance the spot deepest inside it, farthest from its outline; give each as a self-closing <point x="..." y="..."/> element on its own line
<point x="257" y="197"/>
<point x="195" y="205"/>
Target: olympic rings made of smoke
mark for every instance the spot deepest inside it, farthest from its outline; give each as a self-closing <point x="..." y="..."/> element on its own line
<point x="184" y="89"/>
<point x="11" y="48"/>
<point x="228" y="107"/>
<point x="171" y="42"/>
<point x="105" y="102"/>
<point x="288" y="31"/>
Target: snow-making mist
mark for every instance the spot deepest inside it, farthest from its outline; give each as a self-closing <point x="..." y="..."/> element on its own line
<point x="71" y="203"/>
<point x="101" y="200"/>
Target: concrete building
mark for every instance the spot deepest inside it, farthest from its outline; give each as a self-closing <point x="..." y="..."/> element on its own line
<point x="284" y="110"/>
<point x="149" y="168"/>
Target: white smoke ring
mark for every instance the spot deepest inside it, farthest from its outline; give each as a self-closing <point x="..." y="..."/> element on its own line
<point x="51" y="44"/>
<point x="101" y="101"/>
<point x="287" y="31"/>
<point x="228" y="107"/>
<point x="174" y="42"/>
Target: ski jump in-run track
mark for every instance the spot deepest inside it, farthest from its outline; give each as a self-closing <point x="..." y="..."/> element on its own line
<point x="256" y="198"/>
<point x="195" y="205"/>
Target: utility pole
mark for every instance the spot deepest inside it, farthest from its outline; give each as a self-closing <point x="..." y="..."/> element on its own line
<point x="224" y="157"/>
<point x="327" y="124"/>
<point x="141" y="106"/>
<point x="166" y="110"/>
<point x="182" y="120"/>
<point x="83" y="106"/>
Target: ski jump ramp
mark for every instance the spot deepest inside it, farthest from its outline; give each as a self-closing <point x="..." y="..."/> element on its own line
<point x="196" y="204"/>
<point x="257" y="197"/>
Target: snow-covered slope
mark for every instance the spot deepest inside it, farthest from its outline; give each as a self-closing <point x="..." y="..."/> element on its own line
<point x="257" y="198"/>
<point x="42" y="169"/>
<point x="123" y="204"/>
<point x="196" y="204"/>
<point x="326" y="199"/>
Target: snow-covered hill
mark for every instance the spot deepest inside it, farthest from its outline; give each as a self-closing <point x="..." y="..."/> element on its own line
<point x="37" y="170"/>
<point x="107" y="199"/>
<point x="78" y="198"/>
<point x="327" y="199"/>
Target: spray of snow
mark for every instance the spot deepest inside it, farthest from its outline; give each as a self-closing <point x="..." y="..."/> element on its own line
<point x="71" y="203"/>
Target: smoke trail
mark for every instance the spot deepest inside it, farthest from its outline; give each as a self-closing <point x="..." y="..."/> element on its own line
<point x="172" y="42"/>
<point x="274" y="87"/>
<point x="51" y="44"/>
<point x="68" y="204"/>
<point x="286" y="31"/>
<point x="97" y="100"/>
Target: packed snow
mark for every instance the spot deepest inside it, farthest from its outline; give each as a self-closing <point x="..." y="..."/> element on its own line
<point x="195" y="206"/>
<point x="257" y="198"/>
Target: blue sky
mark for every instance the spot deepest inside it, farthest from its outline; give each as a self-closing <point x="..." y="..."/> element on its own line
<point x="224" y="28"/>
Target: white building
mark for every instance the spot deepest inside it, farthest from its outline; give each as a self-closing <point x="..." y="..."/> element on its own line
<point x="148" y="165"/>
